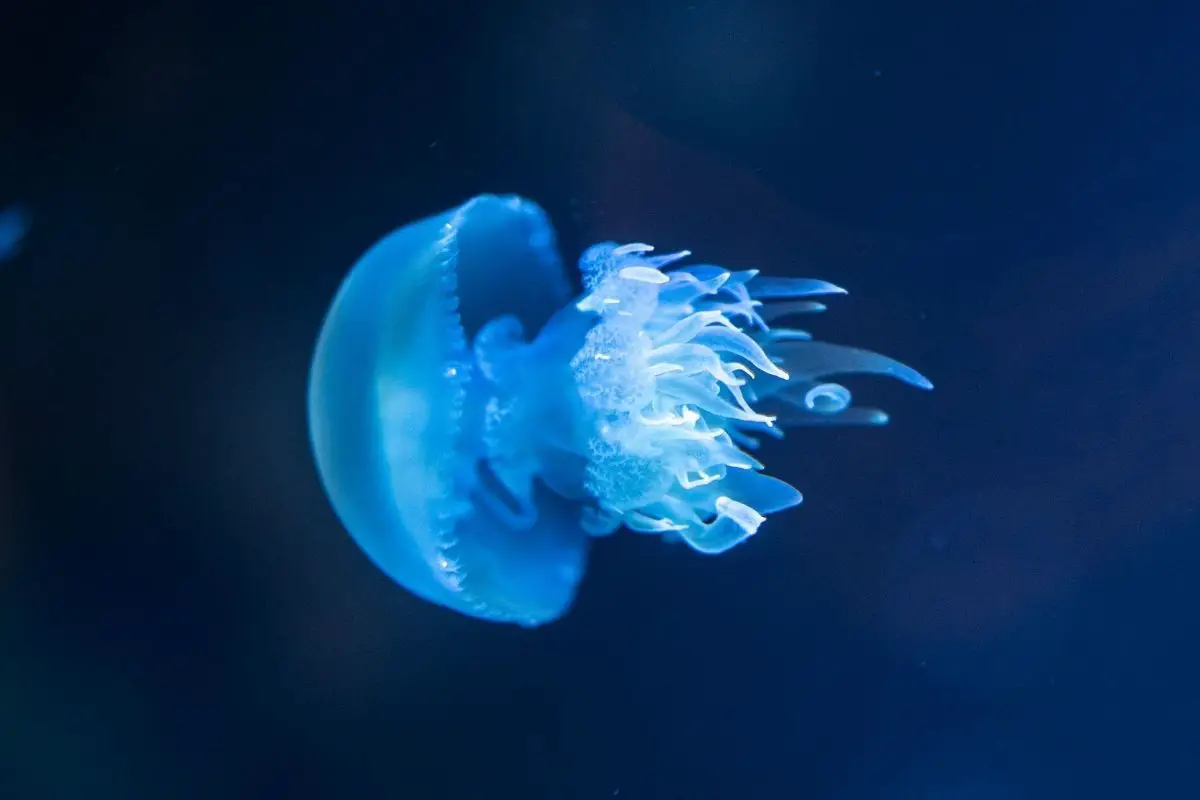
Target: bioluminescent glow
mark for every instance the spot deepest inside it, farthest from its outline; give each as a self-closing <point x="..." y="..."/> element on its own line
<point x="476" y="426"/>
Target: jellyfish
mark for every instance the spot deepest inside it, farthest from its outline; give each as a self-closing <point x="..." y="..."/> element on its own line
<point x="476" y="424"/>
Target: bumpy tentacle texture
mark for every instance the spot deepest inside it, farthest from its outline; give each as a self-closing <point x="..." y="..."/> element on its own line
<point x="647" y="397"/>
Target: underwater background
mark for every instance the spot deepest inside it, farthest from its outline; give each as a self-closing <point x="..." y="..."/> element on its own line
<point x="993" y="597"/>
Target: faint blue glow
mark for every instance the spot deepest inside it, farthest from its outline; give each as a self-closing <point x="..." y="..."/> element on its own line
<point x="14" y="224"/>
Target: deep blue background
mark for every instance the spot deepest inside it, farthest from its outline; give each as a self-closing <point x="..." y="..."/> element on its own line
<point x="995" y="597"/>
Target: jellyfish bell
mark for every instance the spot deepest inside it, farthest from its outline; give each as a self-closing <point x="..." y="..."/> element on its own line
<point x="475" y="426"/>
<point x="387" y="388"/>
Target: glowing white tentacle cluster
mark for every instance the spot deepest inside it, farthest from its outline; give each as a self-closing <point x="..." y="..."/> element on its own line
<point x="665" y="376"/>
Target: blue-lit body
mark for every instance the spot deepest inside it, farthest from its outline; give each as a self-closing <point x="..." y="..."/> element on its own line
<point x="476" y="426"/>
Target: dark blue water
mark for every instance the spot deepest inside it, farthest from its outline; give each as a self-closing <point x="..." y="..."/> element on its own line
<point x="994" y="597"/>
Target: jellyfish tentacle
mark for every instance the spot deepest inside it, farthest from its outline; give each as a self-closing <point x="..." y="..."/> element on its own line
<point x="668" y="379"/>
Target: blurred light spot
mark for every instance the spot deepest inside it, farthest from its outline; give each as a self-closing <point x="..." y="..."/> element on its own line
<point x="14" y="224"/>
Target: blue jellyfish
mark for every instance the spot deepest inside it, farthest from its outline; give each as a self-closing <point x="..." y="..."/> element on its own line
<point x="475" y="425"/>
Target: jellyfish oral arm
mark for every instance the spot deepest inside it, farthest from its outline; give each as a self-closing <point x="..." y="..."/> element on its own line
<point x="641" y="398"/>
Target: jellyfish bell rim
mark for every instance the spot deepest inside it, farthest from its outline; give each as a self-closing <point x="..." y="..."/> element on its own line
<point x="388" y="376"/>
<point x="343" y="401"/>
